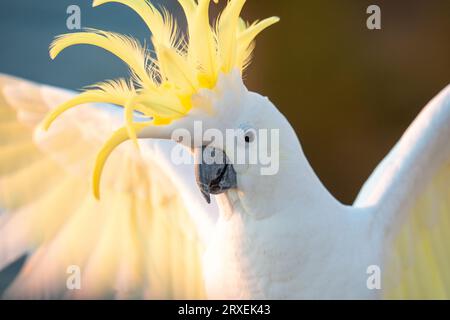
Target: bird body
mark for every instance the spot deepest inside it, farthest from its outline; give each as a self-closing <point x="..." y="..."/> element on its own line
<point x="142" y="227"/>
<point x="277" y="257"/>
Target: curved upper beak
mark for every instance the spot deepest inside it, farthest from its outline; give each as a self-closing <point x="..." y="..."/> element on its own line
<point x="215" y="175"/>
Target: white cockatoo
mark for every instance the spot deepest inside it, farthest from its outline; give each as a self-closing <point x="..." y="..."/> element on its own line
<point x="146" y="229"/>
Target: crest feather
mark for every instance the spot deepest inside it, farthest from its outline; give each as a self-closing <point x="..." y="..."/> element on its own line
<point x="183" y="65"/>
<point x="125" y="48"/>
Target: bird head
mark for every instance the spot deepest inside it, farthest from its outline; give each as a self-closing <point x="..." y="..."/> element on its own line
<point x="243" y="145"/>
<point x="189" y="81"/>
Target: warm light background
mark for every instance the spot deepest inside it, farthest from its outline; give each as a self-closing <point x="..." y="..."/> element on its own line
<point x="349" y="92"/>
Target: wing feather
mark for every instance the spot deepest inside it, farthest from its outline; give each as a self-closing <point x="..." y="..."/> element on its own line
<point x="410" y="195"/>
<point x="140" y="240"/>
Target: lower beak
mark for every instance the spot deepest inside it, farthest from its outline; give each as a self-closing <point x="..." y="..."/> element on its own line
<point x="215" y="176"/>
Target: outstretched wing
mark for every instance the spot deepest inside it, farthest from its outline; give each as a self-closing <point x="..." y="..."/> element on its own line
<point x="410" y="193"/>
<point x="143" y="239"/>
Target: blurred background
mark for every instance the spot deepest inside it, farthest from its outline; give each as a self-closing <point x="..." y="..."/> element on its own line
<point x="349" y="92"/>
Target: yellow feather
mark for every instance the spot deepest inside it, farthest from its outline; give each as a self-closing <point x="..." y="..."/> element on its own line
<point x="162" y="26"/>
<point x="202" y="43"/>
<point x="418" y="267"/>
<point x="138" y="241"/>
<point x="159" y="104"/>
<point x="182" y="68"/>
<point x="125" y="48"/>
<point x="89" y="96"/>
<point x="177" y="70"/>
<point x="246" y="38"/>
<point x="188" y="7"/>
<point x="228" y="27"/>
<point x="119" y="137"/>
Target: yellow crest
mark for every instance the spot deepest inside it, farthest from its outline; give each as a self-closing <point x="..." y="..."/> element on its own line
<point x="161" y="86"/>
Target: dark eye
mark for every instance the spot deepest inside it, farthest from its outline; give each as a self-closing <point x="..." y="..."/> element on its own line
<point x="249" y="136"/>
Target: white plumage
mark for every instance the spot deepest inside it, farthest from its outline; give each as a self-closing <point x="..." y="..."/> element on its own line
<point x="151" y="233"/>
<point x="276" y="237"/>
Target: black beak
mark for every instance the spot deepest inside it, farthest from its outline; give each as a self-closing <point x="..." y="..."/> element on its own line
<point x="215" y="175"/>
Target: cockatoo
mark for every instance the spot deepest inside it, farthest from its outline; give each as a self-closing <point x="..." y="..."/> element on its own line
<point x="142" y="228"/>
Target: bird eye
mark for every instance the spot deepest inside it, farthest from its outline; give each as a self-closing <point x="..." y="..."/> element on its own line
<point x="249" y="136"/>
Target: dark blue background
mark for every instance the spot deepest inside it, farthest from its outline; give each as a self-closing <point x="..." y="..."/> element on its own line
<point x="27" y="27"/>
